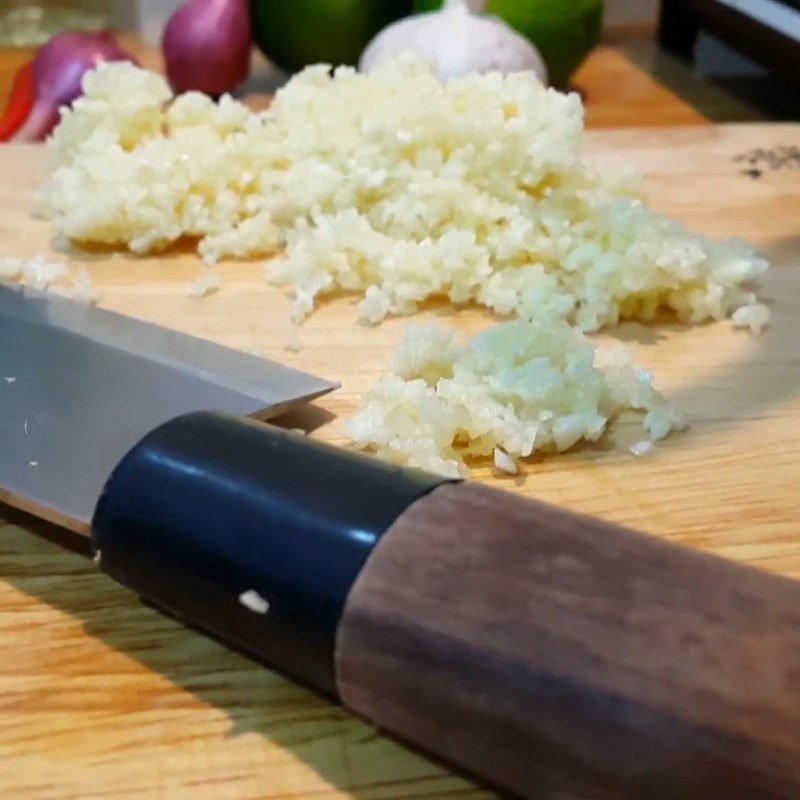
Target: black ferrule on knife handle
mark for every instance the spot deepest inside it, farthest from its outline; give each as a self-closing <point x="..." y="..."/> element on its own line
<point x="250" y="532"/>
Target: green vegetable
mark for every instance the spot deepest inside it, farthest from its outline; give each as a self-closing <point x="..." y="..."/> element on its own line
<point x="295" y="33"/>
<point x="564" y="31"/>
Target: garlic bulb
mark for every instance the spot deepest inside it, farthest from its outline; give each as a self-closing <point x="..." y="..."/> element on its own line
<point x="459" y="41"/>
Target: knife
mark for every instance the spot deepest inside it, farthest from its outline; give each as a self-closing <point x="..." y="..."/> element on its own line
<point x="552" y="655"/>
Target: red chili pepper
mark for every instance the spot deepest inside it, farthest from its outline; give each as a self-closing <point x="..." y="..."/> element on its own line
<point x="20" y="103"/>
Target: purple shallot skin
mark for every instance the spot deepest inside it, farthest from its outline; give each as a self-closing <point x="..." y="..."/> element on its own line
<point x="207" y="46"/>
<point x="58" y="69"/>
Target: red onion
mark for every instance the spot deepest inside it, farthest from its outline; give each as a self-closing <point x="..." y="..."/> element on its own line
<point x="58" y="68"/>
<point x="207" y="46"/>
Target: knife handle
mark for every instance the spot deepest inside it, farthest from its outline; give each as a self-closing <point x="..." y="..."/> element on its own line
<point x="562" y="657"/>
<point x="550" y="654"/>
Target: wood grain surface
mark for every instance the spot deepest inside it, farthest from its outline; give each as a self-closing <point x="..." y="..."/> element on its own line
<point x="565" y="658"/>
<point x="101" y="697"/>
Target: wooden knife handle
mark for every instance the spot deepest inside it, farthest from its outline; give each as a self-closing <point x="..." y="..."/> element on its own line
<point x="562" y="657"/>
<point x="554" y="655"/>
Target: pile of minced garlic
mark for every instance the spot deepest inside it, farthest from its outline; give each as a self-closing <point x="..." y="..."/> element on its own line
<point x="392" y="185"/>
<point x="515" y="389"/>
<point x="400" y="188"/>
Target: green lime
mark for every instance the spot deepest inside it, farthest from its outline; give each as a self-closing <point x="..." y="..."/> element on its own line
<point x="295" y="33"/>
<point x="563" y="32"/>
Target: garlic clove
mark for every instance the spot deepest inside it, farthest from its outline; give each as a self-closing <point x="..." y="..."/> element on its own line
<point x="459" y="42"/>
<point x="391" y="41"/>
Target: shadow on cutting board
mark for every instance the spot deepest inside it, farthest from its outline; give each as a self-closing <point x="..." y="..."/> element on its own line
<point x="347" y="754"/>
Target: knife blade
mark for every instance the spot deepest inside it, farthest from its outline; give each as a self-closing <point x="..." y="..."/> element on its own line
<point x="80" y="386"/>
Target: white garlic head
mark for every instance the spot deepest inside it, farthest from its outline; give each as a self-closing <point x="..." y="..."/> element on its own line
<point x="458" y="41"/>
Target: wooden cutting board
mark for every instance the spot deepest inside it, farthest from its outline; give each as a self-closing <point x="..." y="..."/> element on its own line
<point x="103" y="697"/>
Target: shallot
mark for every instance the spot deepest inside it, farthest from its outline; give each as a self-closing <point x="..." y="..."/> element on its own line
<point x="58" y="69"/>
<point x="207" y="46"/>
